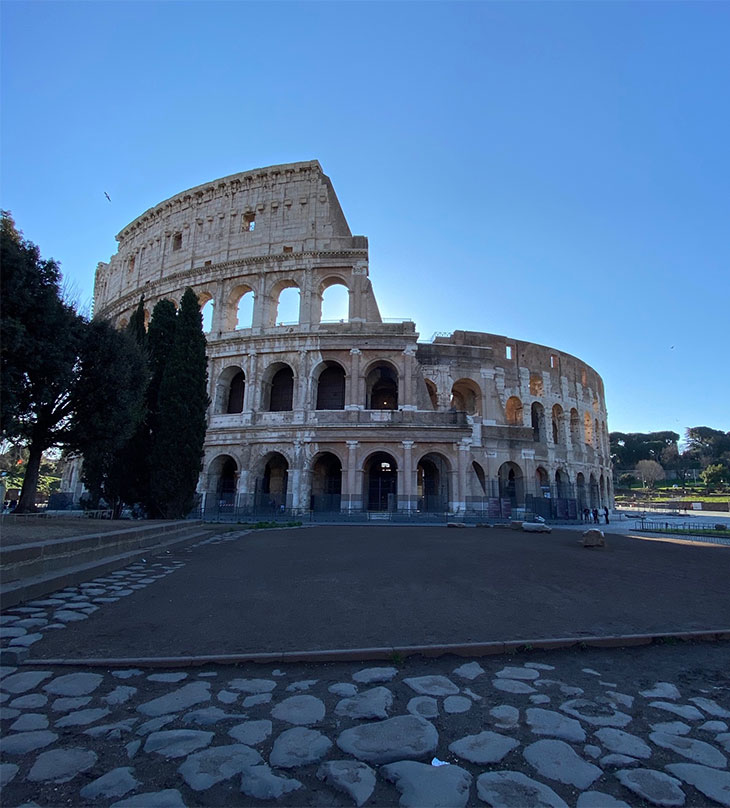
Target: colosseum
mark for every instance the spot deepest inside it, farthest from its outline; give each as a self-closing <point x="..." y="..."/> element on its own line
<point x="353" y="415"/>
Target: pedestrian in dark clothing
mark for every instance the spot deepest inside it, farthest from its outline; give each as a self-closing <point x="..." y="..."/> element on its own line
<point x="605" y="513"/>
<point x="595" y="516"/>
<point x="586" y="515"/>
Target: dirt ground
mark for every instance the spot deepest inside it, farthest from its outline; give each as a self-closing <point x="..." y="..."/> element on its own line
<point x="26" y="529"/>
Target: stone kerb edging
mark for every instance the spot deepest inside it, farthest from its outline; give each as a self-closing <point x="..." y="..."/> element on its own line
<point x="390" y="653"/>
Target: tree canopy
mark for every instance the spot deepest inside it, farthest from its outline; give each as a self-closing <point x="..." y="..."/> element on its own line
<point x="628" y="448"/>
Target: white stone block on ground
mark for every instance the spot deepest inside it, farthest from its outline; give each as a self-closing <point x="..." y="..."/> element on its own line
<point x="653" y="786"/>
<point x="483" y="748"/>
<point x="425" y="786"/>
<point x="349" y="776"/>
<point x="558" y="761"/>
<point x="509" y="789"/>
<point x="714" y="784"/>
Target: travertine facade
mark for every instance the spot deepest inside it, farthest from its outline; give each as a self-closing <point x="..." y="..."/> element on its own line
<point x="356" y="414"/>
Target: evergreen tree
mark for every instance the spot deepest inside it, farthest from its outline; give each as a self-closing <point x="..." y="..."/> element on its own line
<point x="109" y="405"/>
<point x="180" y="420"/>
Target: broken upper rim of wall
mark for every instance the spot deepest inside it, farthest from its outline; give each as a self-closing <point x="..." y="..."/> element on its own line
<point x="243" y="181"/>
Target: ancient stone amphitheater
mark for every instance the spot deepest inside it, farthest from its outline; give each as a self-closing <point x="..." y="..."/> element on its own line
<point x="356" y="414"/>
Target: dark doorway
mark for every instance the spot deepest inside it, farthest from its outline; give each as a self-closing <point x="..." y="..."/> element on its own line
<point x="326" y="483"/>
<point x="382" y="388"/>
<point x="235" y="394"/>
<point x="282" y="390"/>
<point x="433" y="484"/>
<point x="381" y="483"/>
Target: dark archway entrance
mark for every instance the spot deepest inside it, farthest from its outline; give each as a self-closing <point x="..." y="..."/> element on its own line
<point x="381" y="483"/>
<point x="432" y="483"/>
<point x="511" y="484"/>
<point x="272" y="485"/>
<point x="382" y="388"/>
<point x="326" y="483"/>
<point x="331" y="388"/>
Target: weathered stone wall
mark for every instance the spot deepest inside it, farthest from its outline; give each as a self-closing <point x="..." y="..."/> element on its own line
<point x="451" y="424"/>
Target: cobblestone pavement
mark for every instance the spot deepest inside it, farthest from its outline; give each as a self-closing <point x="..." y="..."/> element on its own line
<point x="638" y="726"/>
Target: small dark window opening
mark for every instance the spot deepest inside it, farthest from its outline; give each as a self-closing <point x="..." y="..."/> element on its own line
<point x="248" y="222"/>
<point x="177" y="241"/>
<point x="288" y="249"/>
<point x="282" y="391"/>
<point x="235" y="394"/>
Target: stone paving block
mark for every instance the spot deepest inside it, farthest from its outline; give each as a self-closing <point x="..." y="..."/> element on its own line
<point x="399" y="738"/>
<point x="262" y="784"/>
<point x="298" y="747"/>
<point x="432" y="685"/>
<point x="653" y="786"/>
<point x="510" y="789"/>
<point x="251" y="732"/>
<point x="181" y="699"/>
<point x="202" y="770"/>
<point x="61" y="765"/>
<point x="349" y="776"/>
<point x="484" y="747"/>
<point x="303" y="710"/>
<point x="74" y="684"/>
<point x="115" y="783"/>
<point x="168" y="798"/>
<point x="558" y="761"/>
<point x="425" y="786"/>
<point x="177" y="742"/>
<point x="714" y="784"/>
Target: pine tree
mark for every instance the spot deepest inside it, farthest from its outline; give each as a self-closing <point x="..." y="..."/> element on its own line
<point x="180" y="420"/>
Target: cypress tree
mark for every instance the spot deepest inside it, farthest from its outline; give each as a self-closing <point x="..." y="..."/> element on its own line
<point x="180" y="419"/>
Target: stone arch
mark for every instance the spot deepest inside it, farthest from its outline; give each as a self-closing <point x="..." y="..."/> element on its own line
<point x="481" y="477"/>
<point x="466" y="396"/>
<point x="380" y="482"/>
<point x="332" y="304"/>
<point x="277" y="388"/>
<point x="239" y="311"/>
<point x="272" y="481"/>
<point x="537" y="386"/>
<point x="329" y="378"/>
<point x="276" y="311"/>
<point x="588" y="429"/>
<point x="542" y="482"/>
<point x="562" y="484"/>
<point x="223" y="479"/>
<point x="432" y="393"/>
<point x="229" y="391"/>
<point x="513" y="411"/>
<point x="574" y="428"/>
<point x="558" y="435"/>
<point x="432" y="482"/>
<point x="381" y="387"/>
<point x="206" y="302"/>
<point x="511" y="483"/>
<point x="326" y="470"/>
<point x="537" y="414"/>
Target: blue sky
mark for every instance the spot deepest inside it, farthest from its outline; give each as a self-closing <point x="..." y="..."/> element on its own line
<point x="556" y="172"/>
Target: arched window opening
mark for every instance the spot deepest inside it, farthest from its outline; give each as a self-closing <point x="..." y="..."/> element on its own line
<point x="282" y="390"/>
<point x="382" y="388"/>
<point x="557" y="424"/>
<point x="272" y="485"/>
<point x="432" y="394"/>
<point x="588" y="428"/>
<point x="244" y="310"/>
<point x="574" y="428"/>
<point x="207" y="314"/>
<point x="580" y="492"/>
<point x="562" y="484"/>
<point x="537" y="413"/>
<point x="235" y="393"/>
<point x="513" y="411"/>
<point x="227" y="481"/>
<point x="479" y="471"/>
<point x="432" y="483"/>
<point x="381" y="482"/>
<point x="542" y="482"/>
<point x="335" y="304"/>
<point x="331" y="388"/>
<point x="326" y="483"/>
<point x="287" y="309"/>
<point x="511" y="483"/>
<point x="466" y="397"/>
<point x="537" y="386"/>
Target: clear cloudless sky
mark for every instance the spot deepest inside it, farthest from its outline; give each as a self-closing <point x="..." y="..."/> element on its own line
<point x="556" y="172"/>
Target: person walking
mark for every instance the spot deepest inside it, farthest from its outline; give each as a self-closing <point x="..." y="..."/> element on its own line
<point x="605" y="513"/>
<point x="595" y="516"/>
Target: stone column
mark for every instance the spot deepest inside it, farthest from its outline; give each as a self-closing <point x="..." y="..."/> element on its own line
<point x="407" y="402"/>
<point x="352" y="494"/>
<point x="261" y="303"/>
<point x="357" y="290"/>
<point x="299" y="403"/>
<point x="218" y="321"/>
<point x="460" y="498"/>
<point x="353" y="401"/>
<point x="407" y="496"/>
<point x="250" y="403"/>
